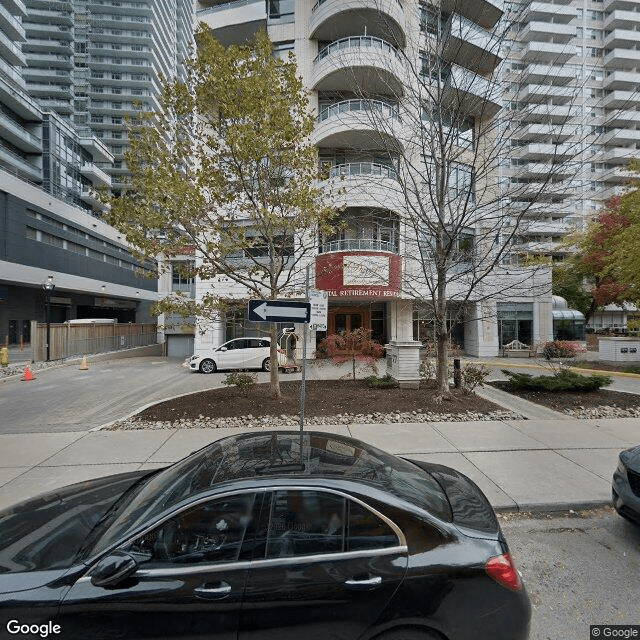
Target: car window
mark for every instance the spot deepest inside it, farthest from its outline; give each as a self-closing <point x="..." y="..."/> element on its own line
<point x="255" y="343"/>
<point x="210" y="533"/>
<point x="303" y="523"/>
<point x="235" y="344"/>
<point x="366" y="530"/>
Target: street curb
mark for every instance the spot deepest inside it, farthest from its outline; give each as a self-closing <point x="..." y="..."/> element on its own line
<point x="148" y="406"/>
<point x="554" y="508"/>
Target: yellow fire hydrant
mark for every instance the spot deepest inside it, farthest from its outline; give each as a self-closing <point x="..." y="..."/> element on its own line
<point x="4" y="357"/>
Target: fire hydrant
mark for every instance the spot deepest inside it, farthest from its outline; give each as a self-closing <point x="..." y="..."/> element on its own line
<point x="4" y="357"/>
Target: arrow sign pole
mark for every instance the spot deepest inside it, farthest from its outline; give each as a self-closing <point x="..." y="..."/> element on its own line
<point x="279" y="311"/>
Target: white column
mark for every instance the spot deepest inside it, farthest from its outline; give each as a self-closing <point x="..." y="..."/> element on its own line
<point x="403" y="352"/>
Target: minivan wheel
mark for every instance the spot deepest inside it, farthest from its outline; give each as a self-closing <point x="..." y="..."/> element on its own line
<point x="208" y="366"/>
<point x="266" y="364"/>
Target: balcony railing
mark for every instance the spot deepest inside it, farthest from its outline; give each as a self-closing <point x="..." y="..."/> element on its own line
<point x="321" y="2"/>
<point x="226" y="5"/>
<point x="357" y="42"/>
<point x="391" y="110"/>
<point x="360" y="244"/>
<point x="362" y="169"/>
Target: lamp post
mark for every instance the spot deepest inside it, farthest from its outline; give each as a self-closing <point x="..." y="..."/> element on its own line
<point x="48" y="287"/>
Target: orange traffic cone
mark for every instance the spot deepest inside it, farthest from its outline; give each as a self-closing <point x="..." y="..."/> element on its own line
<point x="84" y="366"/>
<point x="27" y="375"/>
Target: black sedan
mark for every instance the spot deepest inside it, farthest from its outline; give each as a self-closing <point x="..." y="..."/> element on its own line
<point x="251" y="539"/>
<point x="625" y="492"/>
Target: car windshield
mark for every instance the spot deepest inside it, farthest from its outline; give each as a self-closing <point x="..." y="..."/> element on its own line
<point x="272" y="454"/>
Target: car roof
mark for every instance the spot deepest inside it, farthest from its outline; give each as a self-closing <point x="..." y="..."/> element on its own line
<point x="276" y="454"/>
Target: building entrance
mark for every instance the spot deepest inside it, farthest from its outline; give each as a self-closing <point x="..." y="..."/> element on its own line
<point x="348" y="319"/>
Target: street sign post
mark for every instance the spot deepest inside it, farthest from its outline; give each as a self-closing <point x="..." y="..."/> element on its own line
<point x="319" y="307"/>
<point x="279" y="311"/>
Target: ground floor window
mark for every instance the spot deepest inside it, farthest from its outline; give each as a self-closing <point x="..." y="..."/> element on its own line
<point x="424" y="324"/>
<point x="515" y="322"/>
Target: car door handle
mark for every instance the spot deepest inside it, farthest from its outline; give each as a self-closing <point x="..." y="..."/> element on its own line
<point x="213" y="591"/>
<point x="366" y="584"/>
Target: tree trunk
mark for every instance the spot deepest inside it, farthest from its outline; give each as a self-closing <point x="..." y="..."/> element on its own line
<point x="442" y="356"/>
<point x="273" y="355"/>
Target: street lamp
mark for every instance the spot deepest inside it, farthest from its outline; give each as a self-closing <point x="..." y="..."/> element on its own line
<point x="48" y="287"/>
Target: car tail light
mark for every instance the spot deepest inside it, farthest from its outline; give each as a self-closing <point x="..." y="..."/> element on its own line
<point x="503" y="570"/>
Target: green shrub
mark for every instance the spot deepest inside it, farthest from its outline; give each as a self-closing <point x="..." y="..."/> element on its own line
<point x="244" y="381"/>
<point x="386" y="382"/>
<point x="561" y="381"/>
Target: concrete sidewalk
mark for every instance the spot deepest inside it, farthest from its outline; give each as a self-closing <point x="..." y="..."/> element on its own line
<point x="519" y="464"/>
<point x="544" y="462"/>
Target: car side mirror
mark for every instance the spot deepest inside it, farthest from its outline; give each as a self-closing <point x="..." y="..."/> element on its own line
<point x="112" y="569"/>
<point x="222" y="349"/>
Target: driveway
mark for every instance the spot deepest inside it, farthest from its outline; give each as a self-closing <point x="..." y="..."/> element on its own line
<point x="67" y="399"/>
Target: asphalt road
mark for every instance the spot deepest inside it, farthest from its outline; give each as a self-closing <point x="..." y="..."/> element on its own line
<point x="67" y="399"/>
<point x="580" y="570"/>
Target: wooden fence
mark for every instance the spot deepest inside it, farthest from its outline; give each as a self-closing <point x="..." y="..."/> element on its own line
<point x="70" y="340"/>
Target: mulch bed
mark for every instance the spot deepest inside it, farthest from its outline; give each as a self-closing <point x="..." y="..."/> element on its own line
<point x="560" y="401"/>
<point x="323" y="398"/>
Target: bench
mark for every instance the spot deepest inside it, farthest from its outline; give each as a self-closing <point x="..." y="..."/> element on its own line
<point x="517" y="349"/>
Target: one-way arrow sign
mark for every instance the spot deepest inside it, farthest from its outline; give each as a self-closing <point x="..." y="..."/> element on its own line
<point x="279" y="311"/>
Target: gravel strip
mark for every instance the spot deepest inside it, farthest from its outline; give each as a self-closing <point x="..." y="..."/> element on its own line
<point x="584" y="413"/>
<point x="294" y="421"/>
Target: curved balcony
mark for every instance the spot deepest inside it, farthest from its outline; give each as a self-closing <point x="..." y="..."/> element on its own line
<point x="334" y="19"/>
<point x="359" y="124"/>
<point x="361" y="244"/>
<point x="366" y="185"/>
<point x="359" y="63"/>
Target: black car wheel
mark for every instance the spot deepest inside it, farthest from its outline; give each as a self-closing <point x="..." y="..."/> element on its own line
<point x="266" y="364"/>
<point x="208" y="366"/>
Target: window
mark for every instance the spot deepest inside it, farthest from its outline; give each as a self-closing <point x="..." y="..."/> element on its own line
<point x="366" y="531"/>
<point x="281" y="49"/>
<point x="461" y="181"/>
<point x="210" y="533"/>
<point x="304" y="523"/>
<point x="431" y="19"/>
<point x="281" y="8"/>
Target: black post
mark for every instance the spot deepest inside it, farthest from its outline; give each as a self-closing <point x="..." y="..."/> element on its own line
<point x="48" y="287"/>
<point x="457" y="373"/>
<point x="48" y="303"/>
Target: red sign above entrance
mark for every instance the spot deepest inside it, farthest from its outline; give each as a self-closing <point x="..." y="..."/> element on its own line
<point x="363" y="275"/>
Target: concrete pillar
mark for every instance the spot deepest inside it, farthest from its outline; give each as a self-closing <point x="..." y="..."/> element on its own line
<point x="542" y="321"/>
<point x="403" y="352"/>
<point x="481" y="330"/>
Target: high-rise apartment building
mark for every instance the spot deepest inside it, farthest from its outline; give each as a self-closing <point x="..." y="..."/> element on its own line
<point x="49" y="210"/>
<point x="574" y="67"/>
<point x="366" y="57"/>
<point x="96" y="61"/>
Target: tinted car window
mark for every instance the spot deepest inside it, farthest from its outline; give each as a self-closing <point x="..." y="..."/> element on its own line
<point x="255" y="343"/>
<point x="303" y="523"/>
<point x="211" y="532"/>
<point x="367" y="531"/>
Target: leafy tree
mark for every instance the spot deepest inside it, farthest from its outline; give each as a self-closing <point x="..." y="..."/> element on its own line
<point x="226" y="169"/>
<point x="605" y="261"/>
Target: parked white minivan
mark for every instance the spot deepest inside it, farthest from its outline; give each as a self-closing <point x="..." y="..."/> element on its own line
<point x="239" y="353"/>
